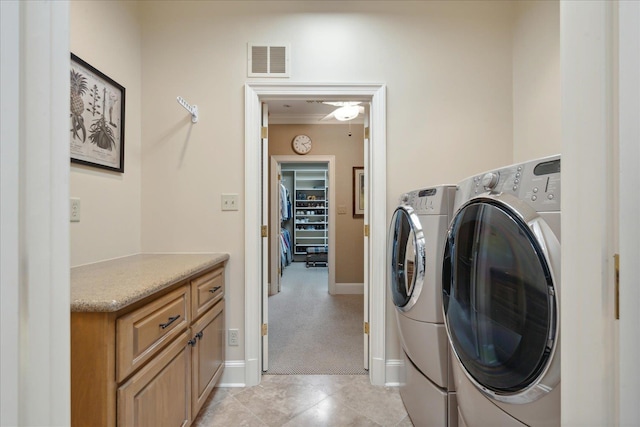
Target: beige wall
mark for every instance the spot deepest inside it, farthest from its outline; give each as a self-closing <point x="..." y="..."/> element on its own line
<point x="106" y="34"/>
<point x="349" y="152"/>
<point x="536" y="80"/>
<point x="447" y="66"/>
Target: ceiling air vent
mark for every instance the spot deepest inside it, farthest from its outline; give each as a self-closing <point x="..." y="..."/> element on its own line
<point x="268" y="60"/>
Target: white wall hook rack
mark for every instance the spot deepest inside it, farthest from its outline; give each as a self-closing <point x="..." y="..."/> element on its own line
<point x="192" y="109"/>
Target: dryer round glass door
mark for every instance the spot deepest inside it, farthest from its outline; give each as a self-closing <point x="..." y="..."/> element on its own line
<point x="406" y="255"/>
<point x="498" y="298"/>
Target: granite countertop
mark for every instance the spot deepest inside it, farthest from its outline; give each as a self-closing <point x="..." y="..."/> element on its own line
<point x="109" y="286"/>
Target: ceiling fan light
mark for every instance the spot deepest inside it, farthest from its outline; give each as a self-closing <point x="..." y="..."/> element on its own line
<point x="348" y="112"/>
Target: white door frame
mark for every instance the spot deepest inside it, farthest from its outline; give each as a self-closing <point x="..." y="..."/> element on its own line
<point x="600" y="53"/>
<point x="255" y="93"/>
<point x="264" y="243"/>
<point x="331" y="165"/>
<point x="629" y="205"/>
<point x="34" y="214"/>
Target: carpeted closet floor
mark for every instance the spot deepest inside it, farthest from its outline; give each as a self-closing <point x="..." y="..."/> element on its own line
<point x="312" y="332"/>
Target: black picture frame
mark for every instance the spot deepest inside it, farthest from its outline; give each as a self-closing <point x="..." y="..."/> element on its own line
<point x="358" y="192"/>
<point x="96" y="119"/>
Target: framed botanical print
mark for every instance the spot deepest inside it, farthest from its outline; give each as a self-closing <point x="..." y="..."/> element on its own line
<point x="96" y="117"/>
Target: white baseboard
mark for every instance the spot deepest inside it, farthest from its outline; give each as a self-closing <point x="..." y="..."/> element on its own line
<point x="234" y="374"/>
<point x="393" y="372"/>
<point x="349" y="288"/>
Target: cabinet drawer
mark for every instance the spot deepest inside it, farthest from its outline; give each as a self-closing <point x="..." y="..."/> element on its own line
<point x="206" y="290"/>
<point x="143" y="332"/>
<point x="158" y="395"/>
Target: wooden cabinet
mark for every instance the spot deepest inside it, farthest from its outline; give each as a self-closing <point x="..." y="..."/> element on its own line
<point x="153" y="363"/>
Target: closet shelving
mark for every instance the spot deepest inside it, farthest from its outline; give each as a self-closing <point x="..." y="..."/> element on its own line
<point x="311" y="210"/>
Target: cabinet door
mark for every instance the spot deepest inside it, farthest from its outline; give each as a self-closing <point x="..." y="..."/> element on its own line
<point x="207" y="354"/>
<point x="159" y="395"/>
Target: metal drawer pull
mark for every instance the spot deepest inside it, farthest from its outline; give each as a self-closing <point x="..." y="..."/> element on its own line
<point x="193" y="341"/>
<point x="169" y="321"/>
<point x="214" y="289"/>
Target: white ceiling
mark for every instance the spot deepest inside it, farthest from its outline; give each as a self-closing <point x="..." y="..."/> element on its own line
<point x="302" y="111"/>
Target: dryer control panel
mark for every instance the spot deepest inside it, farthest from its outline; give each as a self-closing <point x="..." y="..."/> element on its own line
<point x="537" y="182"/>
<point x="430" y="201"/>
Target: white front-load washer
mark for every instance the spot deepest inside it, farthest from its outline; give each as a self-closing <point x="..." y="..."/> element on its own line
<point x="501" y="295"/>
<point x="416" y="241"/>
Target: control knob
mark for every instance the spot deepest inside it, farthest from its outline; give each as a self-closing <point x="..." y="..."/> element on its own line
<point x="490" y="180"/>
<point x="405" y="198"/>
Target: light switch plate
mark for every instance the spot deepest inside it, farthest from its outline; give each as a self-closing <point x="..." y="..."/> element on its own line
<point x="342" y="209"/>
<point x="230" y="202"/>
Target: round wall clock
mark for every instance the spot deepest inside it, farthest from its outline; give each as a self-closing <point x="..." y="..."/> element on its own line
<point x="301" y="144"/>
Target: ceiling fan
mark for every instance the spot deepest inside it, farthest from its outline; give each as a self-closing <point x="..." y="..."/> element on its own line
<point x="346" y="111"/>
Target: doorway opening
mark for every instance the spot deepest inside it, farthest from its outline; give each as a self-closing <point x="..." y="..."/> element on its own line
<point x="375" y="229"/>
<point x="302" y="202"/>
<point x="314" y="324"/>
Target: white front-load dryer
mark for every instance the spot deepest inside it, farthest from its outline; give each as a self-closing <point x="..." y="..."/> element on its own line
<point x="501" y="295"/>
<point x="416" y="241"/>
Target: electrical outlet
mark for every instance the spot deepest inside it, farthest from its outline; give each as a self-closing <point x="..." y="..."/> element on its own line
<point x="230" y="202"/>
<point x="74" y="206"/>
<point x="233" y="337"/>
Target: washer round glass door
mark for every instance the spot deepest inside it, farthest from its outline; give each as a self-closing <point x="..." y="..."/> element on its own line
<point x="406" y="253"/>
<point x="498" y="299"/>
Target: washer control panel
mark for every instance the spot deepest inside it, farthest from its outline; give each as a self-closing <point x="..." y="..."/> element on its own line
<point x="430" y="201"/>
<point x="537" y="182"/>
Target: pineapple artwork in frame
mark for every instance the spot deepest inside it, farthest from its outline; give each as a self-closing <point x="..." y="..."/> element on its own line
<point x="96" y="118"/>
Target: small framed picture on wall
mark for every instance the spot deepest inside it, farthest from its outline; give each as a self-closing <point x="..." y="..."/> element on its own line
<point x="96" y="117"/>
<point x="358" y="192"/>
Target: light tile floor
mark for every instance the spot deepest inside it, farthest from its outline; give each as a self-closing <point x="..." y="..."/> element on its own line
<point x="305" y="400"/>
